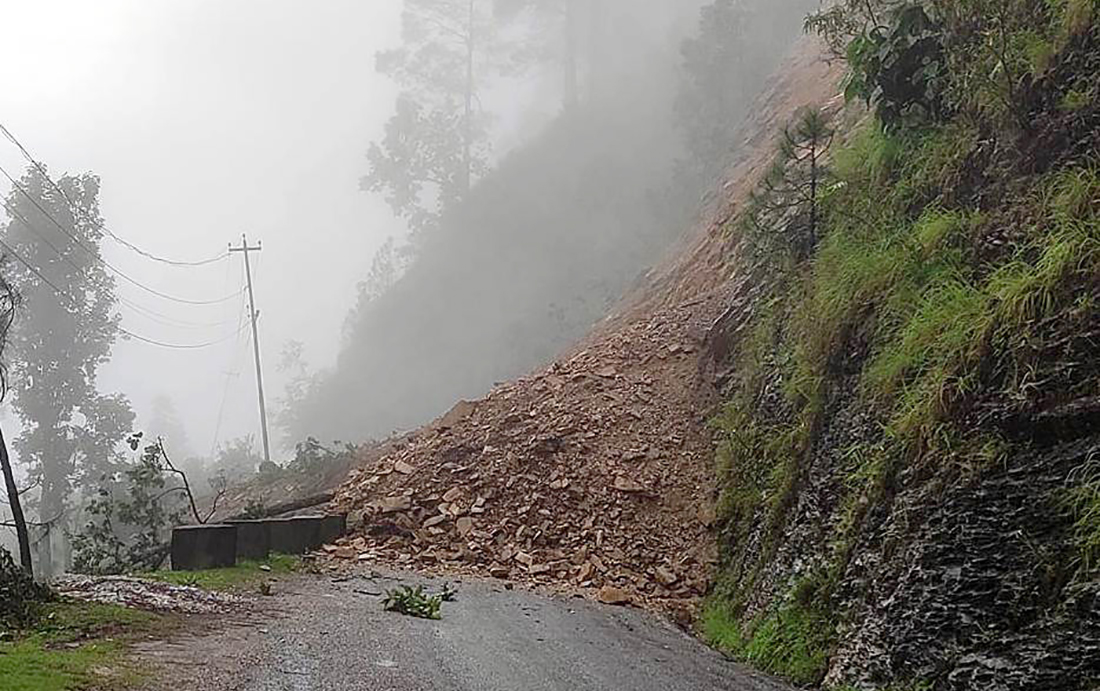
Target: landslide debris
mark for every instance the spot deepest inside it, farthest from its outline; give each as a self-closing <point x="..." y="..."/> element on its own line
<point x="593" y="473"/>
<point x="597" y="474"/>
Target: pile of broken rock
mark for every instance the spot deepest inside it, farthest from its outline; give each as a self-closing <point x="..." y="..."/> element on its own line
<point x="141" y="593"/>
<point x="595" y="475"/>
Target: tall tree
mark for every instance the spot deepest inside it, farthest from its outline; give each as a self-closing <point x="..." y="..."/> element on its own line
<point x="59" y="341"/>
<point x="8" y="300"/>
<point x="560" y="23"/>
<point x="714" y="92"/>
<point x="436" y="142"/>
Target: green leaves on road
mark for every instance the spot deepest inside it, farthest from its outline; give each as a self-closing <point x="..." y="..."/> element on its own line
<point x="414" y="602"/>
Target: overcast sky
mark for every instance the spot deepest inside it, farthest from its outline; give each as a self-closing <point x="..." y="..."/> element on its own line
<point x="206" y="119"/>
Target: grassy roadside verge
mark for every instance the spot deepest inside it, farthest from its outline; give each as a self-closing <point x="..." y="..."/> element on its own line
<point x="244" y="576"/>
<point x="75" y="646"/>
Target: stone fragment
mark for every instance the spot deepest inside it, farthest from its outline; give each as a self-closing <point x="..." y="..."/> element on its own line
<point x="404" y="468"/>
<point x="464" y="526"/>
<point x="707" y="515"/>
<point x="625" y="484"/>
<point x="610" y="595"/>
<point x="666" y="577"/>
<point x="388" y="505"/>
<point x="524" y="558"/>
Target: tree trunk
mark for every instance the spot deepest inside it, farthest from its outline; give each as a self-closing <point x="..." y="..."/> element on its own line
<point x="54" y="488"/>
<point x="16" y="508"/>
<point x="571" y="47"/>
<point x="596" y="50"/>
<point x="468" y="116"/>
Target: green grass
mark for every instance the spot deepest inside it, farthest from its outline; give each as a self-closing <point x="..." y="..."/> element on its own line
<point x="1082" y="500"/>
<point x="74" y="645"/>
<point x="240" y="577"/>
<point x="901" y="289"/>
<point x="68" y="621"/>
<point x="79" y="645"/>
<point x="792" y="642"/>
<point x="31" y="665"/>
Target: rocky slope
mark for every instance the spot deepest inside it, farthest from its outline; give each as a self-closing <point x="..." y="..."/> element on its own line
<point x="596" y="473"/>
<point x="908" y="448"/>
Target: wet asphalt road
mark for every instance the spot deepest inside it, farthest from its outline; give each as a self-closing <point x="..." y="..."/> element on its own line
<point x="319" y="635"/>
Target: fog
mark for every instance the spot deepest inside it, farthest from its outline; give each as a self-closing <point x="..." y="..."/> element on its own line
<point x="406" y="262"/>
<point x="207" y="119"/>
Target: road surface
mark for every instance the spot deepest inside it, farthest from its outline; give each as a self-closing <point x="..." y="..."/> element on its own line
<point x="317" y="634"/>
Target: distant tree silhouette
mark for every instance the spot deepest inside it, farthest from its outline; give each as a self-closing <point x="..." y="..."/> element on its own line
<point x="70" y="430"/>
<point x="436" y="143"/>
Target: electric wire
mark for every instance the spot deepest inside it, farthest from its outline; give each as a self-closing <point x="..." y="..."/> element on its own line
<point x="98" y="224"/>
<point x="164" y="319"/>
<point x="233" y="373"/>
<point x="140" y="309"/>
<point x="100" y="260"/>
<point x="137" y="337"/>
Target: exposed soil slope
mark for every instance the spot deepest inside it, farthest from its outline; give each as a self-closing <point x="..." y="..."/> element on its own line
<point x="597" y="472"/>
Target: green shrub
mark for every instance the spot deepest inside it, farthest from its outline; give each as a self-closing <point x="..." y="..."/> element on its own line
<point x="21" y="598"/>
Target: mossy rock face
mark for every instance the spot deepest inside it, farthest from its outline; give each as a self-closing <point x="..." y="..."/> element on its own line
<point x="909" y="454"/>
<point x="969" y="583"/>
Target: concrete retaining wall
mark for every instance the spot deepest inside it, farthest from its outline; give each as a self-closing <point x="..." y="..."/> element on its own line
<point x="223" y="545"/>
<point x="204" y="547"/>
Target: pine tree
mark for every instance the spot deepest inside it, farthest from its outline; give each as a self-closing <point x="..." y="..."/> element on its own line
<point x="787" y="205"/>
<point x="436" y="143"/>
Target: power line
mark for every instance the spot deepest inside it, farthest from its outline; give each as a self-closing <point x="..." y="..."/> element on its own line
<point x="166" y="320"/>
<point x="145" y="311"/>
<point x="95" y="255"/>
<point x="234" y="372"/>
<point x="125" y="243"/>
<point x="124" y="331"/>
<point x="180" y="346"/>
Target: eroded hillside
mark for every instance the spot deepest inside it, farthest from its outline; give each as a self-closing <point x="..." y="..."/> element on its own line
<point x="904" y="490"/>
<point x="596" y="473"/>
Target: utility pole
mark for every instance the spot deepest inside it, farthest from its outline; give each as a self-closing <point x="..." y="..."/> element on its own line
<point x="253" y="316"/>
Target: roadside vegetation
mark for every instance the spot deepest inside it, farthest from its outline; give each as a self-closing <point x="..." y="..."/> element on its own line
<point x="245" y="576"/>
<point x="71" y="645"/>
<point x="50" y="643"/>
<point x="937" y="264"/>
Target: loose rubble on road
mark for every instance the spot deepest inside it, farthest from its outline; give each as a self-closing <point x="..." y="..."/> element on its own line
<point x="145" y="594"/>
<point x="586" y="477"/>
<point x="595" y="475"/>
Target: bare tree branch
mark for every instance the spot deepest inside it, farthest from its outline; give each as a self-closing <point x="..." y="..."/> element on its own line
<point x="186" y="485"/>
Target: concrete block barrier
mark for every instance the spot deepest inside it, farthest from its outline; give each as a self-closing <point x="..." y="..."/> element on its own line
<point x="333" y="527"/>
<point x="204" y="547"/>
<point x="296" y="535"/>
<point x="223" y="545"/>
<point x="253" y="540"/>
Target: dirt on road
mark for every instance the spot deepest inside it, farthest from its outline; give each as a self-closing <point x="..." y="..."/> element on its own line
<point x="320" y="634"/>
